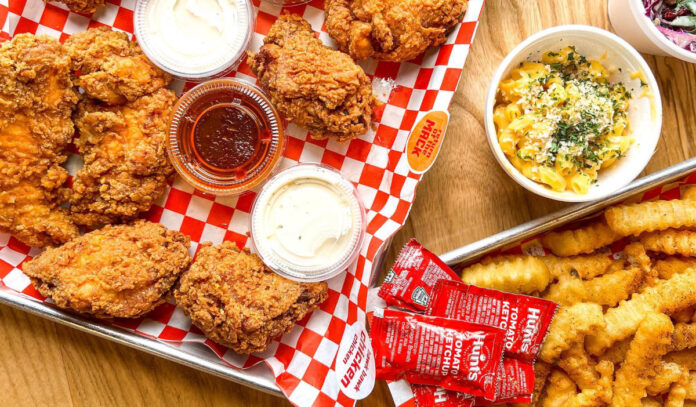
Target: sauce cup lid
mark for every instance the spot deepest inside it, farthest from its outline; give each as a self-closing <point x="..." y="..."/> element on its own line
<point x="229" y="56"/>
<point x="290" y="269"/>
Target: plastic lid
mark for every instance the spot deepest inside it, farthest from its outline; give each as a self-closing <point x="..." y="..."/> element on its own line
<point x="184" y="55"/>
<point x="268" y="251"/>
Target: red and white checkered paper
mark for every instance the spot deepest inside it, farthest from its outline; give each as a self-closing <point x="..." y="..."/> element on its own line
<point x="401" y="389"/>
<point x="302" y="361"/>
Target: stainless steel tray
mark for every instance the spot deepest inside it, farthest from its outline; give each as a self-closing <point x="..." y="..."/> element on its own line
<point x="473" y="251"/>
<point x="192" y="355"/>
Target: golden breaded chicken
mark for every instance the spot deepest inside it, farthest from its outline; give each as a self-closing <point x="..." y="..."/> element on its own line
<point x="119" y="271"/>
<point x="82" y="6"/>
<point x="111" y="67"/>
<point x="126" y="168"/>
<point x="391" y="30"/>
<point x="36" y="100"/>
<point x="238" y="302"/>
<point x="312" y="85"/>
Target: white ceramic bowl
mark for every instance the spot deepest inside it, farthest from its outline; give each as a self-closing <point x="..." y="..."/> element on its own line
<point x="645" y="114"/>
<point x="630" y="22"/>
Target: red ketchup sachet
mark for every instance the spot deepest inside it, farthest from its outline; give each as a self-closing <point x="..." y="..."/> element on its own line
<point x="434" y="396"/>
<point x="525" y="319"/>
<point x="410" y="282"/>
<point x="453" y="354"/>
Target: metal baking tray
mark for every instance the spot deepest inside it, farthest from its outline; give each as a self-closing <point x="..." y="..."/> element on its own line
<point x="193" y="355"/>
<point x="471" y="252"/>
<point x="259" y="377"/>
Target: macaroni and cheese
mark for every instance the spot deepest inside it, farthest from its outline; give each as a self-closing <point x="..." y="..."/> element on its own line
<point x="559" y="121"/>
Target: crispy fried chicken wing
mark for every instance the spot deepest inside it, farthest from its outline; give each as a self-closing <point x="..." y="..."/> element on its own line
<point x="112" y="68"/>
<point x="238" y="302"/>
<point x="125" y="160"/>
<point x="312" y="85"/>
<point x="36" y="100"/>
<point x="82" y="6"/>
<point x="391" y="30"/>
<point x="121" y="271"/>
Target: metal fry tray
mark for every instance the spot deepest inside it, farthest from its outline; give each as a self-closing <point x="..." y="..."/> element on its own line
<point x="471" y="252"/>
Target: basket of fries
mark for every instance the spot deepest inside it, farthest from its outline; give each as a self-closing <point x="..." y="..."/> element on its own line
<point x="622" y="272"/>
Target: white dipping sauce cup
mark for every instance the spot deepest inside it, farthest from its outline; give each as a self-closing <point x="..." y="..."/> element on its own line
<point x="630" y="22"/>
<point x="644" y="115"/>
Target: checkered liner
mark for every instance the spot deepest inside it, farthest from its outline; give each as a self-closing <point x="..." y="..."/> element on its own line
<point x="401" y="389"/>
<point x="302" y="360"/>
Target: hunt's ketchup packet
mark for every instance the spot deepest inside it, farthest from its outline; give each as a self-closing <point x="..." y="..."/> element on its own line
<point x="410" y="282"/>
<point x="516" y="383"/>
<point x="434" y="396"/>
<point x="525" y="319"/>
<point x="453" y="354"/>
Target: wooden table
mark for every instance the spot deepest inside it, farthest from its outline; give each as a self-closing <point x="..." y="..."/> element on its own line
<point x="465" y="197"/>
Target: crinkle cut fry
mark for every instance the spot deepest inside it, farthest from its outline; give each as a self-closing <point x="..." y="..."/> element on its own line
<point x="671" y="242"/>
<point x="677" y="394"/>
<point x="652" y="340"/>
<point x="580" y="241"/>
<point x="666" y="374"/>
<point x="594" y="379"/>
<point x="579" y="366"/>
<point x="559" y="389"/>
<point x="514" y="274"/>
<point x="685" y="358"/>
<point x="585" y="267"/>
<point x="608" y="289"/>
<point x="667" y="296"/>
<point x="570" y="326"/>
<point x="684" y="336"/>
<point x="666" y="268"/>
<point x="634" y="219"/>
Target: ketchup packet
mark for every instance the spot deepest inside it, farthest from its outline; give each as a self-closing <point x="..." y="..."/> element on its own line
<point x="434" y="396"/>
<point x="525" y="319"/>
<point x="516" y="385"/>
<point x="453" y="354"/>
<point x="410" y="282"/>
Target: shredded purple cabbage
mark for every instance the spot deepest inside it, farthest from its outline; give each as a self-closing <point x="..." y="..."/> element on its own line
<point x="676" y="19"/>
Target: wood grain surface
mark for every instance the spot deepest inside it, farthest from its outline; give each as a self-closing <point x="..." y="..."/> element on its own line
<point x="464" y="197"/>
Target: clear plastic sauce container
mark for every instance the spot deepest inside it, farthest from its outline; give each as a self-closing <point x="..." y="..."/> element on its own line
<point x="225" y="136"/>
<point x="194" y="39"/>
<point x="308" y="223"/>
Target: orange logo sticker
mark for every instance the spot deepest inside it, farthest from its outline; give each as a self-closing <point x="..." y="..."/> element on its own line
<point x="425" y="140"/>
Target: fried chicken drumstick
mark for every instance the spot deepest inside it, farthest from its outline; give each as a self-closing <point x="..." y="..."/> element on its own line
<point x="312" y="85"/>
<point x="391" y="30"/>
<point x="36" y="100"/>
<point x="119" y="271"/>
<point x="238" y="302"/>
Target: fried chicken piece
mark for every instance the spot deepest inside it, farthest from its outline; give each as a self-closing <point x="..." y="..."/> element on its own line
<point x="36" y="100"/>
<point x="391" y="30"/>
<point x="312" y="85"/>
<point x="112" y="68"/>
<point x="82" y="6"/>
<point x="125" y="160"/>
<point x="238" y="302"/>
<point x="119" y="271"/>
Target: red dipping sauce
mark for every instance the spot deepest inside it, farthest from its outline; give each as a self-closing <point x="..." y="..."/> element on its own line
<point x="225" y="136"/>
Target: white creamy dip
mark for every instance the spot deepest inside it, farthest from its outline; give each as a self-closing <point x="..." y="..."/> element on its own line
<point x="307" y="222"/>
<point x="192" y="37"/>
